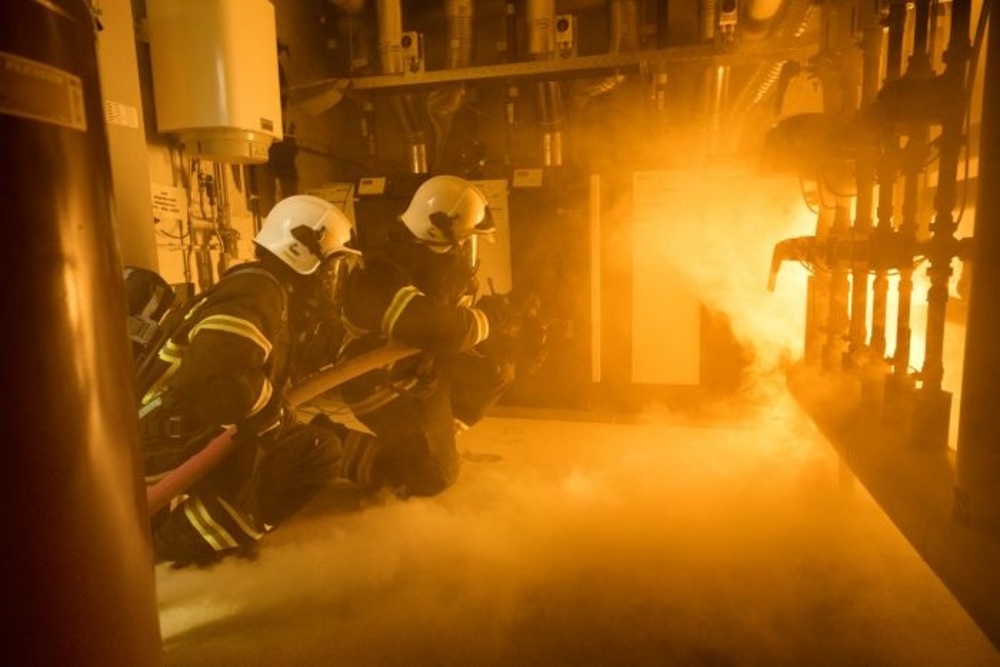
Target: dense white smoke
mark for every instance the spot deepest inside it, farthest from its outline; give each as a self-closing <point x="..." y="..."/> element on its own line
<point x="579" y="543"/>
<point x="667" y="540"/>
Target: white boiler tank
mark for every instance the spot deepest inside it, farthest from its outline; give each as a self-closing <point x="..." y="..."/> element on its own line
<point x="215" y="76"/>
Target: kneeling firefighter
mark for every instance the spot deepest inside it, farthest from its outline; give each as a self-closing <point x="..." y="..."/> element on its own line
<point x="229" y="362"/>
<point x="420" y="290"/>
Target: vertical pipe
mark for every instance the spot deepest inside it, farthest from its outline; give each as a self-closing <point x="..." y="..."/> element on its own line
<point x="77" y="586"/>
<point x="511" y="90"/>
<point x="863" y="222"/>
<point x="840" y="100"/>
<point x="912" y="168"/>
<point x="944" y="226"/>
<point x="716" y="102"/>
<point x="886" y="184"/>
<point x="390" y="36"/>
<point x="707" y="13"/>
<point x="540" y="17"/>
<point x="837" y="323"/>
<point x="934" y="414"/>
<point x="510" y="30"/>
<point x="900" y="384"/>
<point x="445" y="102"/>
<point x="977" y="498"/>
<point x="818" y="308"/>
<point x="663" y="24"/>
<point x="390" y="49"/>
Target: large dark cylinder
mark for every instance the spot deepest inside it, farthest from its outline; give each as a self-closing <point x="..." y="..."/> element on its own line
<point x="978" y="455"/>
<point x="78" y="586"/>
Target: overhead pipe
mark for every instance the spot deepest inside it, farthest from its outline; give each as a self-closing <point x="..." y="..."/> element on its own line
<point x="715" y="78"/>
<point x="540" y="18"/>
<point x="771" y="19"/>
<point x="444" y="103"/>
<point x="390" y="36"/>
<point x="413" y="134"/>
<point x="708" y="10"/>
<point x="390" y="49"/>
<point x="623" y="29"/>
<point x="511" y="90"/>
<point x="551" y="111"/>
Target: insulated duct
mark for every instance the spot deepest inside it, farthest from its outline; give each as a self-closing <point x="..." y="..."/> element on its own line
<point x="390" y="50"/>
<point x="442" y="104"/>
<point x="390" y="36"/>
<point x="540" y="17"/>
<point x="623" y="28"/>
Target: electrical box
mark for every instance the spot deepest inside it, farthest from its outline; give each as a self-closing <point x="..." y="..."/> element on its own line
<point x="215" y="76"/>
<point x="565" y="35"/>
<point x="412" y="44"/>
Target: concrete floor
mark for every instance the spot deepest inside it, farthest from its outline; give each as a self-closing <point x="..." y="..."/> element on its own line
<point x="731" y="538"/>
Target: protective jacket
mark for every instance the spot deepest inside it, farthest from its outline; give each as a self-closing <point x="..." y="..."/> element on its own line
<point x="421" y="299"/>
<point x="388" y="301"/>
<point x="227" y="364"/>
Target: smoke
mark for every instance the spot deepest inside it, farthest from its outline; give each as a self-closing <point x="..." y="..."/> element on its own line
<point x="650" y="543"/>
<point x="724" y="222"/>
<point x="668" y="540"/>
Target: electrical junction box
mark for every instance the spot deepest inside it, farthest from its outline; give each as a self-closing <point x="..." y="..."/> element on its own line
<point x="565" y="35"/>
<point x="412" y="44"/>
<point x="215" y="76"/>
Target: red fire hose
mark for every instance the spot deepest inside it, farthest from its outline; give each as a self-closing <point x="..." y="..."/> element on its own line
<point x="183" y="476"/>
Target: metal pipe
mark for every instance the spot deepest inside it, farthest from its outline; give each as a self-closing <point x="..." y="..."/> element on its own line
<point x="715" y="81"/>
<point x="442" y="104"/>
<point x="863" y="222"/>
<point x="510" y="30"/>
<point x="390" y="49"/>
<point x="944" y="226"/>
<point x="886" y="182"/>
<point x="840" y="100"/>
<point x="416" y="143"/>
<point x="932" y="427"/>
<point x="707" y="12"/>
<point x="390" y="36"/>
<point x="837" y="325"/>
<point x="551" y="111"/>
<point x="623" y="29"/>
<point x="913" y="166"/>
<point x="540" y="17"/>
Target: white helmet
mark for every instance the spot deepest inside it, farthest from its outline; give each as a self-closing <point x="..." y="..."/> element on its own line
<point x="303" y="230"/>
<point x="445" y="211"/>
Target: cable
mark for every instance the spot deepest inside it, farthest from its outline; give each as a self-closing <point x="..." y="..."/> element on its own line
<point x="805" y="196"/>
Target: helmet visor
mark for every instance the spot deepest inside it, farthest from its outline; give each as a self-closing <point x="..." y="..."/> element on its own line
<point x="334" y="241"/>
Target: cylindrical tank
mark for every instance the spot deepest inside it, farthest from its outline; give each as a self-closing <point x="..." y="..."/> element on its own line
<point x="77" y="585"/>
<point x="215" y="76"/>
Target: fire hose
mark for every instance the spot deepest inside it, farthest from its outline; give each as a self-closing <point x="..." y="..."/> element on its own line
<point x="181" y="478"/>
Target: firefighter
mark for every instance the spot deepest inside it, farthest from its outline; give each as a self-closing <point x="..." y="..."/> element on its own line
<point x="230" y="363"/>
<point x="419" y="290"/>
